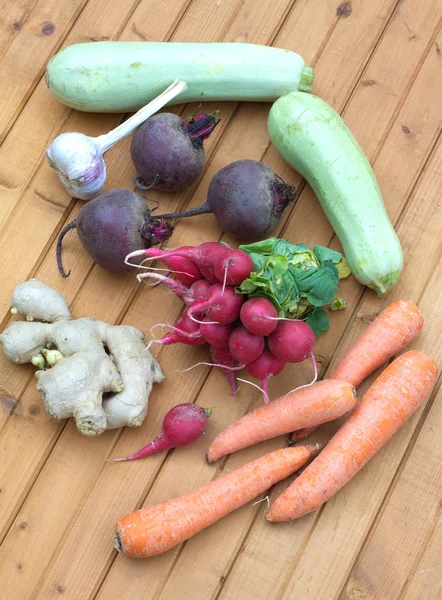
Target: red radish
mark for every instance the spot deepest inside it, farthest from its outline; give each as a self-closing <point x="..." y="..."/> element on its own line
<point x="204" y="256"/>
<point x="259" y="316"/>
<point x="222" y="356"/>
<point x="222" y="305"/>
<point x="185" y="270"/>
<point x="215" y="333"/>
<point x="244" y="346"/>
<point x="292" y="341"/>
<point x="184" y="330"/>
<point x="264" y="367"/>
<point x="183" y="424"/>
<point x="234" y="267"/>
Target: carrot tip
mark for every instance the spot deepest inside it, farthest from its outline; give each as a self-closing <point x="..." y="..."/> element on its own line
<point x="117" y="542"/>
<point x="208" y="461"/>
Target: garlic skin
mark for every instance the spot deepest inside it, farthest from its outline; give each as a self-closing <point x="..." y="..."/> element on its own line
<point x="78" y="160"/>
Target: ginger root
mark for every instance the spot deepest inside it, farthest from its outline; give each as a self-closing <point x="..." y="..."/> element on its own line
<point x="80" y="360"/>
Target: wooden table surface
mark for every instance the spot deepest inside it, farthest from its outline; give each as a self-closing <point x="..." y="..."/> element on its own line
<point x="378" y="63"/>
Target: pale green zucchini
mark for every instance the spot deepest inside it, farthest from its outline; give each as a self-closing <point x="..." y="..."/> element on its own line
<point x="315" y="141"/>
<point x="124" y="76"/>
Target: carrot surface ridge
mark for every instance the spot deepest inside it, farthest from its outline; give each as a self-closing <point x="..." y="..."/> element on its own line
<point x="155" y="529"/>
<point x="323" y="401"/>
<point x="385" y="407"/>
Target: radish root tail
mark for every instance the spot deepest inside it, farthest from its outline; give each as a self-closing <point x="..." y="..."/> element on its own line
<point x="265" y="396"/>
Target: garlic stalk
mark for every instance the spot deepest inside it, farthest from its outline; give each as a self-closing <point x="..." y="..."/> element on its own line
<point x="78" y="158"/>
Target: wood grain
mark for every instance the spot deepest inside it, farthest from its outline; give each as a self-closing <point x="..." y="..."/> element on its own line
<point x="379" y="64"/>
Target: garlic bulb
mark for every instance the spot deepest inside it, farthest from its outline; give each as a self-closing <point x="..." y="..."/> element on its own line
<point x="78" y="158"/>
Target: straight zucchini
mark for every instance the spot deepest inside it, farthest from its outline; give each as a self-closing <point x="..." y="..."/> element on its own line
<point x="124" y="76"/>
<point x="315" y="141"/>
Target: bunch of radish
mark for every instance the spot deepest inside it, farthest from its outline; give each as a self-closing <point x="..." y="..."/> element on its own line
<point x="242" y="332"/>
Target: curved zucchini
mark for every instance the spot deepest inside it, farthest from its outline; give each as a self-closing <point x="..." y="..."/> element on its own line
<point x="124" y="76"/>
<point x="315" y="141"/>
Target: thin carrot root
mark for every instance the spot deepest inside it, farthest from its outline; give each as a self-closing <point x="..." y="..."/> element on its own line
<point x="261" y="389"/>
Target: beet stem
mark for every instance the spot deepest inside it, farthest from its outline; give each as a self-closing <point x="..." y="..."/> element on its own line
<point x="63" y="232"/>
<point x="199" y="210"/>
<point x="202" y="127"/>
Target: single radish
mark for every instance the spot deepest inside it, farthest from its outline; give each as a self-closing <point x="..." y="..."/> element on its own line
<point x="259" y="316"/>
<point x="234" y="267"/>
<point x="168" y="152"/>
<point x="184" y="330"/>
<point x="247" y="199"/>
<point x="183" y="424"/>
<point x="222" y="356"/>
<point x="215" y="333"/>
<point x="245" y="346"/>
<point x="222" y="305"/>
<point x="292" y="341"/>
<point x="265" y="367"/>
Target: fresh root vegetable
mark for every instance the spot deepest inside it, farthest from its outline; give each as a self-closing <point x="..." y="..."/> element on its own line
<point x="265" y="367"/>
<point x="75" y="383"/>
<point x="234" y="267"/>
<point x="216" y="334"/>
<point x="156" y="529"/>
<point x="395" y="395"/>
<point x="184" y="331"/>
<point x="127" y="75"/>
<point x="222" y="305"/>
<point x="392" y="330"/>
<point x="247" y="199"/>
<point x="315" y="141"/>
<point x="228" y="366"/>
<point x="168" y="152"/>
<point x="259" y="316"/>
<point x="182" y="424"/>
<point x="78" y="158"/>
<point x="292" y="341"/>
<point x="245" y="347"/>
<point x="185" y="270"/>
<point x="307" y="407"/>
<point x="113" y="225"/>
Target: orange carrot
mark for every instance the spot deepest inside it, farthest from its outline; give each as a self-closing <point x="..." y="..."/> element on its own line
<point x="382" y="411"/>
<point x="156" y="529"/>
<point x="392" y="330"/>
<point x="306" y="407"/>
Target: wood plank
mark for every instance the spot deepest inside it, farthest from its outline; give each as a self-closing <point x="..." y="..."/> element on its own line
<point x="23" y="63"/>
<point x="426" y="582"/>
<point x="12" y="18"/>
